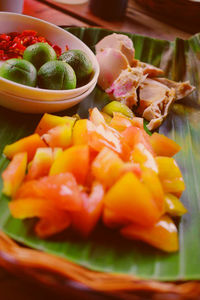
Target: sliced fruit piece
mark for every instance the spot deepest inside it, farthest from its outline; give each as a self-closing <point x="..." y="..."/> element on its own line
<point x="86" y="219"/>
<point x="59" y="136"/>
<point x="170" y="175"/>
<point x="163" y="146"/>
<point x="144" y="157"/>
<point x="152" y="182"/>
<point x="80" y="132"/>
<point x="112" y="220"/>
<point x="120" y="122"/>
<point x="107" y="118"/>
<point x="14" y="174"/>
<point x="61" y="190"/>
<point x="162" y="235"/>
<point x="96" y="117"/>
<point x="48" y="226"/>
<point x="116" y="106"/>
<point x="49" y="121"/>
<point x="27" y="144"/>
<point x="134" y="135"/>
<point x="74" y="160"/>
<point x="107" y="167"/>
<point x="131" y="199"/>
<point x="40" y="164"/>
<point x="173" y="206"/>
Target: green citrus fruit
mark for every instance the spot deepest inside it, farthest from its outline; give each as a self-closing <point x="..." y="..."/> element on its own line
<point x="40" y="53"/>
<point x="56" y="75"/>
<point x="20" y="71"/>
<point x="80" y="62"/>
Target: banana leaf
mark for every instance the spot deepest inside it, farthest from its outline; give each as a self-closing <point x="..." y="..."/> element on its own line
<point x="105" y="250"/>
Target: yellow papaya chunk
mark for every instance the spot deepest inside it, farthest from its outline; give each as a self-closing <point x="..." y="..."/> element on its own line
<point x="173" y="206"/>
<point x="40" y="164"/>
<point x="49" y="121"/>
<point x="27" y="144"/>
<point x="162" y="235"/>
<point x="163" y="146"/>
<point x="59" y="136"/>
<point x="14" y="174"/>
<point x="131" y="199"/>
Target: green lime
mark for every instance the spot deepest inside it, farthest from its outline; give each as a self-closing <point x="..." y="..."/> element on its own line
<point x="40" y="53"/>
<point x="116" y="106"/>
<point x="56" y="75"/>
<point x="80" y="62"/>
<point x="20" y="71"/>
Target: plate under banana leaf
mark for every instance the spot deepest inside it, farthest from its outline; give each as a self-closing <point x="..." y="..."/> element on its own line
<point x="105" y="250"/>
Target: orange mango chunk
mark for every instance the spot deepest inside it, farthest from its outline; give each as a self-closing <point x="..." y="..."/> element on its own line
<point x="85" y="220"/>
<point x="27" y="144"/>
<point x="107" y="167"/>
<point x="173" y="206"/>
<point x="120" y="122"/>
<point x="60" y="190"/>
<point x="48" y="226"/>
<point x="112" y="220"/>
<point x="74" y="160"/>
<point x="80" y="132"/>
<point x="144" y="157"/>
<point x="14" y="174"/>
<point x="134" y="135"/>
<point x="59" y="136"/>
<point x="152" y="182"/>
<point x="163" y="146"/>
<point x="162" y="235"/>
<point x="170" y="175"/>
<point x="40" y="164"/>
<point x="49" y="121"/>
<point x="131" y="199"/>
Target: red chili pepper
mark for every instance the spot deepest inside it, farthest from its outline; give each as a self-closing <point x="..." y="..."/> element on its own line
<point x="13" y="44"/>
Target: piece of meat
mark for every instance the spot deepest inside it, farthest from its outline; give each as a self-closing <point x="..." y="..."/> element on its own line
<point x="158" y="110"/>
<point x="111" y="62"/>
<point x="120" y="42"/>
<point x="124" y="87"/>
<point x="150" y="91"/>
<point x="182" y="89"/>
<point x="148" y="69"/>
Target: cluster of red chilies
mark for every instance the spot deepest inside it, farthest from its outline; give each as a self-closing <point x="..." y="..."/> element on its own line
<point x="13" y="44"/>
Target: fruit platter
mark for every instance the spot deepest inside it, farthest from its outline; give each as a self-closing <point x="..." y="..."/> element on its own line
<point x="105" y="194"/>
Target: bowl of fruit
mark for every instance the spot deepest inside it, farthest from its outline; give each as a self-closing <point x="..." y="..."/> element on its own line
<point x="42" y="62"/>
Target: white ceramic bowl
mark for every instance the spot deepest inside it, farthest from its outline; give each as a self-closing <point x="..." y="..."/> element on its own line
<point x="36" y="106"/>
<point x="16" y="22"/>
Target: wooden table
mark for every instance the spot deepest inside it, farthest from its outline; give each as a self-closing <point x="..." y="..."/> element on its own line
<point x="136" y="21"/>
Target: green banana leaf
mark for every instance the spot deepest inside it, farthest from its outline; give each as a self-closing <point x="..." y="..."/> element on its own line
<point x="105" y="250"/>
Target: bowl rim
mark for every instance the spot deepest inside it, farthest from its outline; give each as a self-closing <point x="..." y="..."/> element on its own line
<point x="96" y="67"/>
<point x="50" y="102"/>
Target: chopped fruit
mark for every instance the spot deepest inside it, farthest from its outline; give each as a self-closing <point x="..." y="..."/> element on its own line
<point x="170" y="175"/>
<point x="138" y="204"/>
<point x="80" y="132"/>
<point x="112" y="219"/>
<point x="162" y="235"/>
<point x="59" y="136"/>
<point x="49" y="121"/>
<point x="48" y="226"/>
<point x="40" y="164"/>
<point x="74" y="160"/>
<point x="61" y="190"/>
<point x="28" y="144"/>
<point x="86" y="219"/>
<point x="144" y="157"/>
<point x="120" y="122"/>
<point x="116" y="106"/>
<point x="107" y="118"/>
<point x="173" y="206"/>
<point x="163" y="146"/>
<point x="14" y="174"/>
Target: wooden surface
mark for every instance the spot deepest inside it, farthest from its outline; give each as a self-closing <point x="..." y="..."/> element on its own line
<point x="136" y="21"/>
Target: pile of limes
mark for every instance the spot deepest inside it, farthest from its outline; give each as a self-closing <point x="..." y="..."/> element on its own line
<point x="40" y="67"/>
